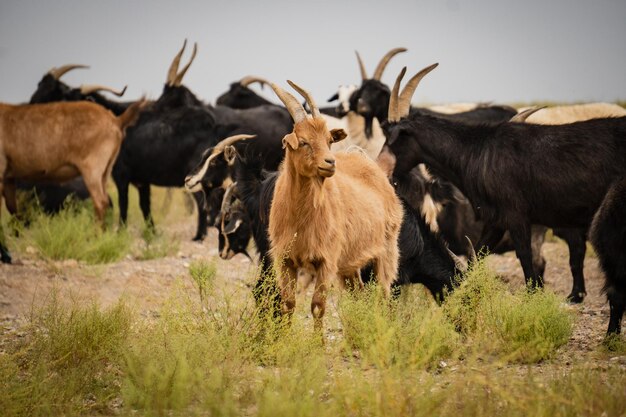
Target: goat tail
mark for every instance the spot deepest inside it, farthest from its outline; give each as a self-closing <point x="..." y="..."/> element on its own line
<point x="131" y="114"/>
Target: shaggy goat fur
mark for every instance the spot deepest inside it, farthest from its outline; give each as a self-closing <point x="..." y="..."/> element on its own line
<point x="331" y="221"/>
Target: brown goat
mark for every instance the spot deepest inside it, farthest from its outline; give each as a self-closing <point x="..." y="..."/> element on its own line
<point x="330" y="213"/>
<point x="57" y="142"/>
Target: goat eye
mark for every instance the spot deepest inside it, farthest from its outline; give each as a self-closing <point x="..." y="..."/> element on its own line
<point x="303" y="144"/>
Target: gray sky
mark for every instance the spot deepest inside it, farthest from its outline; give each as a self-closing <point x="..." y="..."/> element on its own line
<point x="504" y="51"/>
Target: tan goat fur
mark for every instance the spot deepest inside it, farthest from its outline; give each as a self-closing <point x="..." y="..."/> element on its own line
<point x="59" y="141"/>
<point x="333" y="221"/>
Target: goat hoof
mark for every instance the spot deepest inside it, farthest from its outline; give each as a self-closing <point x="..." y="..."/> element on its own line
<point x="198" y="238"/>
<point x="576" y="297"/>
<point x="6" y="258"/>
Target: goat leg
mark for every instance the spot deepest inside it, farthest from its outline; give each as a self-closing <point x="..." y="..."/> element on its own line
<point x="203" y="222"/>
<point x="521" y="239"/>
<point x="145" y="204"/>
<point x="576" y="241"/>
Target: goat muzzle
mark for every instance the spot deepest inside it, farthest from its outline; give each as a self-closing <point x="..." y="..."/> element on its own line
<point x="362" y="107"/>
<point x="327" y="169"/>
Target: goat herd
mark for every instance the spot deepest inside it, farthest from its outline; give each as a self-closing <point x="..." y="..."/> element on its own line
<point x="372" y="187"/>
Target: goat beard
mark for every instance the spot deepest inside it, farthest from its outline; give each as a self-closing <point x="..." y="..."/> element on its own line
<point x="369" y="120"/>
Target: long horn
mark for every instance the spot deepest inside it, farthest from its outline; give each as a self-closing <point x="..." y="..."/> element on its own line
<point x="293" y="106"/>
<point x="392" y="112"/>
<point x="523" y="115"/>
<point x="404" y="101"/>
<point x="361" y="66"/>
<point x="307" y="96"/>
<point x="58" y="72"/>
<point x="385" y="60"/>
<point x="472" y="258"/>
<point x="94" y="88"/>
<point x="226" y="203"/>
<point x="219" y="148"/>
<point x="181" y="74"/>
<point x="246" y="81"/>
<point x="171" y="74"/>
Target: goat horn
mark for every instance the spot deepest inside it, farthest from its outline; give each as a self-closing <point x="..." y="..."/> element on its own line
<point x="226" y="203"/>
<point x="523" y="115"/>
<point x="385" y="60"/>
<point x="361" y="66"/>
<point x="392" y="112"/>
<point x="246" y="81"/>
<point x="404" y="101"/>
<point x="293" y="106"/>
<point x="58" y="72"/>
<point x="472" y="258"/>
<point x="307" y="96"/>
<point x="181" y="74"/>
<point x="458" y="262"/>
<point x="219" y="148"/>
<point x="171" y="74"/>
<point x="90" y="89"/>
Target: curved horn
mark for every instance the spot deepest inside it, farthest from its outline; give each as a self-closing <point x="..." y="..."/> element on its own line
<point x="226" y="203"/>
<point x="404" y="101"/>
<point x="307" y="96"/>
<point x="294" y="107"/>
<point x="472" y="258"/>
<point x="171" y="73"/>
<point x="385" y="60"/>
<point x="523" y="115"/>
<point x="58" y="72"/>
<point x="230" y="141"/>
<point x="361" y="66"/>
<point x="246" y="81"/>
<point x="90" y="89"/>
<point x="181" y="74"/>
<point x="219" y="148"/>
<point x="458" y="262"/>
<point x="392" y="112"/>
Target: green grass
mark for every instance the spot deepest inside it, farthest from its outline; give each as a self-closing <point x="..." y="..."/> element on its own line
<point x="73" y="233"/>
<point x="210" y="352"/>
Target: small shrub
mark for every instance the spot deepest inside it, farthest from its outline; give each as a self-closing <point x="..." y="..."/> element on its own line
<point x="74" y="234"/>
<point x="70" y="361"/>
<point x="526" y="326"/>
<point x="409" y="332"/>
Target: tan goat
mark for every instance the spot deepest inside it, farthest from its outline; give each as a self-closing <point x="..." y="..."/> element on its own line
<point x="330" y="213"/>
<point x="57" y="142"/>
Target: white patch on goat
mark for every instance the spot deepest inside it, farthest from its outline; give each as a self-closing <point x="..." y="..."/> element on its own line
<point x="430" y="210"/>
<point x="192" y="183"/>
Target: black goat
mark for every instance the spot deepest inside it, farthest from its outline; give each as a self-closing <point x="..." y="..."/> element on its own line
<point x="240" y="96"/>
<point x="424" y="257"/>
<point x="255" y="188"/>
<point x="518" y="174"/>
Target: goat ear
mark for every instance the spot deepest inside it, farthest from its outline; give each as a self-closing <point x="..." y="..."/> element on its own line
<point x="338" y="135"/>
<point x="333" y="97"/>
<point x="230" y="154"/>
<point x="290" y="139"/>
<point x="232" y="227"/>
<point x="392" y="136"/>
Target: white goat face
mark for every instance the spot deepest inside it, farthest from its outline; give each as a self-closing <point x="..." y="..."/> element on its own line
<point x="343" y="93"/>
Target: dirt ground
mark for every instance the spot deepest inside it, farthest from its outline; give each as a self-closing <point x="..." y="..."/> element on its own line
<point x="148" y="284"/>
